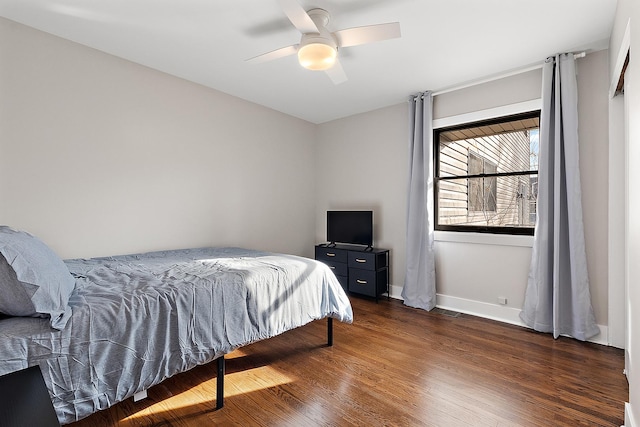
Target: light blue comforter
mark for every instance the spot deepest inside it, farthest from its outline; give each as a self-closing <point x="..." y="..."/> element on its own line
<point x="138" y="319"/>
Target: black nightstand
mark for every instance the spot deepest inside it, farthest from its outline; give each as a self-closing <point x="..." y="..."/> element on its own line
<point x="25" y="401"/>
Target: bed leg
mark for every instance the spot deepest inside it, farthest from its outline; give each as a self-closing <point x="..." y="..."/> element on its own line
<point x="140" y="395"/>
<point x="220" y="383"/>
<point x="329" y="331"/>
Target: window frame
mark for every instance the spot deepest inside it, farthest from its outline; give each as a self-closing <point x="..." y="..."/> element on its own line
<point x="522" y="231"/>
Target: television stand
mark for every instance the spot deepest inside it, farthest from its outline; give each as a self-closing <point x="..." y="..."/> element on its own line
<point x="359" y="270"/>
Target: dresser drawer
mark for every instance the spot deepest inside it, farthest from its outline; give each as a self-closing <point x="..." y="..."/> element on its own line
<point x="331" y="254"/>
<point x="362" y="260"/>
<point x="338" y="268"/>
<point x="362" y="281"/>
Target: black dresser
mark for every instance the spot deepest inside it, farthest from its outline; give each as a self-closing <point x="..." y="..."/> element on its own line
<point x="359" y="271"/>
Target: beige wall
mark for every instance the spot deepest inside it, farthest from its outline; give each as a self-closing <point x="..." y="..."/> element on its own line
<point x="509" y="90"/>
<point x="593" y="130"/>
<point x="362" y="164"/>
<point x="100" y="156"/>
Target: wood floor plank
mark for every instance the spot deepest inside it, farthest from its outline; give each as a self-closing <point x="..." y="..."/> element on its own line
<point x="395" y="366"/>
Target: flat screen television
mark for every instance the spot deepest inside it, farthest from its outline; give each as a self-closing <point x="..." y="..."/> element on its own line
<point x="351" y="227"/>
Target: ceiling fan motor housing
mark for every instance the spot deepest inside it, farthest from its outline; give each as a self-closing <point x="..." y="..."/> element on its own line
<point x="320" y="17"/>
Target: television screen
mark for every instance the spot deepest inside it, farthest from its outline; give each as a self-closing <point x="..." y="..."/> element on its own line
<point x="353" y="227"/>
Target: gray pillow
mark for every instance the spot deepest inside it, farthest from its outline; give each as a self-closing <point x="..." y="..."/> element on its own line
<point x="33" y="280"/>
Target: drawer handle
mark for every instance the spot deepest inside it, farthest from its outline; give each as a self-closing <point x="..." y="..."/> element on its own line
<point x="330" y="254"/>
<point x="361" y="260"/>
<point x="332" y="267"/>
<point x="361" y="282"/>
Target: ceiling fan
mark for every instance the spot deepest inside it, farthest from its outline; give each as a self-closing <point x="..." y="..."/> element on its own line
<point x="318" y="47"/>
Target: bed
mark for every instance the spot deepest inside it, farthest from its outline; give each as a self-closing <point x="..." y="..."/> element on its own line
<point x="131" y="321"/>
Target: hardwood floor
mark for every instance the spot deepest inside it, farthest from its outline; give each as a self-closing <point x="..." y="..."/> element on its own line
<point x="395" y="366"/>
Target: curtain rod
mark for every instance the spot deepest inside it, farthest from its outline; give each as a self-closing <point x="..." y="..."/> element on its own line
<point x="499" y="76"/>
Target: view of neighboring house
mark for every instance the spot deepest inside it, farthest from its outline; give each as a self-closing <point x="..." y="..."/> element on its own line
<point x="488" y="174"/>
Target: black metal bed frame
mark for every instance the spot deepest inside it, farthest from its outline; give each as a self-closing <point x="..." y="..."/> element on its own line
<point x="221" y="367"/>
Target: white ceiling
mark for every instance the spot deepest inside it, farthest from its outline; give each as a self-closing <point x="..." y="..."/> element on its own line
<point x="443" y="43"/>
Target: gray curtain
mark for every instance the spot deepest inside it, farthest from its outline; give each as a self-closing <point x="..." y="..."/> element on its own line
<point x="557" y="298"/>
<point x="420" y="279"/>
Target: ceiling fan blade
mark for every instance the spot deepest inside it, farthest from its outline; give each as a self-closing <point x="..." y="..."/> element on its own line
<point x="274" y="54"/>
<point x="298" y="16"/>
<point x="368" y="34"/>
<point x="336" y="73"/>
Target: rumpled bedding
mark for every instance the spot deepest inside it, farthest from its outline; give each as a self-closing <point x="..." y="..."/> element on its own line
<point x="139" y="319"/>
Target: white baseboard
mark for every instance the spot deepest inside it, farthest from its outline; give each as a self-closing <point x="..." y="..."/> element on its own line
<point x="628" y="416"/>
<point x="498" y="312"/>
<point x="395" y="292"/>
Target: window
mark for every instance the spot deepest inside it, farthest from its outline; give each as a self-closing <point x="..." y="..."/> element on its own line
<point x="486" y="175"/>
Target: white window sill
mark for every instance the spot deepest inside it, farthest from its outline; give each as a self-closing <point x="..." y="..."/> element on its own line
<point x="484" y="238"/>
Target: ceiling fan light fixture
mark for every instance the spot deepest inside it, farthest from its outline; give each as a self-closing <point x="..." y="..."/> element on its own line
<point x="317" y="56"/>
